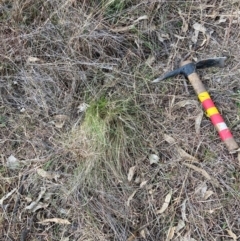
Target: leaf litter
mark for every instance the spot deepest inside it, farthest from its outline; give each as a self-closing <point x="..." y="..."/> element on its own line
<point x="165" y="204"/>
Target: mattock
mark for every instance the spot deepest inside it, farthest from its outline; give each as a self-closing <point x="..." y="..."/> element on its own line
<point x="188" y="69"/>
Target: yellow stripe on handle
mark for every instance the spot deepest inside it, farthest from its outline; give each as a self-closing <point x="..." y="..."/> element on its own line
<point x="203" y="96"/>
<point x="212" y="111"/>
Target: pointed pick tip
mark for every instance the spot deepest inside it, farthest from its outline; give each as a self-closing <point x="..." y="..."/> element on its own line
<point x="157" y="80"/>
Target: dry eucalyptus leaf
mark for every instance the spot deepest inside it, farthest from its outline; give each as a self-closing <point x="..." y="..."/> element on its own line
<point x="162" y="37"/>
<point x="31" y="59"/>
<point x="39" y="206"/>
<point x="131" y="173"/>
<point x="55" y="220"/>
<point x="198" y="28"/>
<point x="179" y="37"/>
<point x="137" y="180"/>
<point x="165" y="204"/>
<point x="130" y="198"/>
<point x="13" y="163"/>
<point x="150" y="60"/>
<point x="231" y="234"/>
<point x="187" y="157"/>
<point x="123" y="29"/>
<point x="184" y="155"/>
<point x="170" y="233"/>
<point x="153" y="159"/>
<point x="141" y="18"/>
<point x="6" y="196"/>
<point x="199" y="170"/>
<point x="33" y="204"/>
<point x="169" y="139"/>
<point x="143" y="183"/>
<point x="208" y="194"/>
<point x="48" y="175"/>
<point x="143" y="234"/>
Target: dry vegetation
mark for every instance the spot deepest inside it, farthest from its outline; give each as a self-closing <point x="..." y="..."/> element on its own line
<point x="80" y="119"/>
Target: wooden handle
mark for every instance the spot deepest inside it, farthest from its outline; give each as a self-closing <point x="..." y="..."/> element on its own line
<point x="213" y="113"/>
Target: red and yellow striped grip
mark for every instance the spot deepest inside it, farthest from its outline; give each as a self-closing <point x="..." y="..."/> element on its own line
<point x="216" y="118"/>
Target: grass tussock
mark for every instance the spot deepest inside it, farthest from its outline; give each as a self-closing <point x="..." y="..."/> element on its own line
<point x="80" y="121"/>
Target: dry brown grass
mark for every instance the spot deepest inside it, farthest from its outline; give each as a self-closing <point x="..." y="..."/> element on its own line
<point x="56" y="55"/>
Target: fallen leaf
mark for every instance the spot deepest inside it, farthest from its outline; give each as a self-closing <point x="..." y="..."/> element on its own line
<point x="143" y="234"/>
<point x="208" y="194"/>
<point x="231" y="234"/>
<point x="170" y="233"/>
<point x="48" y="175"/>
<point x="199" y="170"/>
<point x="123" y="29"/>
<point x="130" y="198"/>
<point x="162" y="37"/>
<point x="165" y="204"/>
<point x="31" y="59"/>
<point x="187" y="157"/>
<point x="13" y="163"/>
<point x="33" y="204"/>
<point x="198" y="121"/>
<point x="150" y="60"/>
<point x="141" y="18"/>
<point x="169" y="139"/>
<point x="183" y="154"/>
<point x="39" y="206"/>
<point x="183" y="211"/>
<point x="179" y="37"/>
<point x="55" y="220"/>
<point x="153" y="159"/>
<point x="137" y="180"/>
<point x="143" y="183"/>
<point x="131" y="173"/>
<point x="6" y="196"/>
<point x="198" y="28"/>
<point x="184" y="24"/>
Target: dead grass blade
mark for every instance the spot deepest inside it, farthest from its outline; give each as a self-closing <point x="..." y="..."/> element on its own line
<point x="6" y="196"/>
<point x="55" y="220"/>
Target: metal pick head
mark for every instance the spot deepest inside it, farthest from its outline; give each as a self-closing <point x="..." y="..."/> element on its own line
<point x="168" y="75"/>
<point x="213" y="62"/>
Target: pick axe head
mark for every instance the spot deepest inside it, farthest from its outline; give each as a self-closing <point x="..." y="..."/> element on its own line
<point x="188" y="67"/>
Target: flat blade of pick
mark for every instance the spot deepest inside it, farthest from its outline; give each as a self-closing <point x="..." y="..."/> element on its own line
<point x="213" y="62"/>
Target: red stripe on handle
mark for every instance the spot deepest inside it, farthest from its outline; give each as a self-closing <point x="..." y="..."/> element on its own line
<point x="217" y="118"/>
<point x="207" y="104"/>
<point x="225" y="134"/>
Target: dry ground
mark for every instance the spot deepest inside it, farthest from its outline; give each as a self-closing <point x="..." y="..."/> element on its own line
<point x="80" y="121"/>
